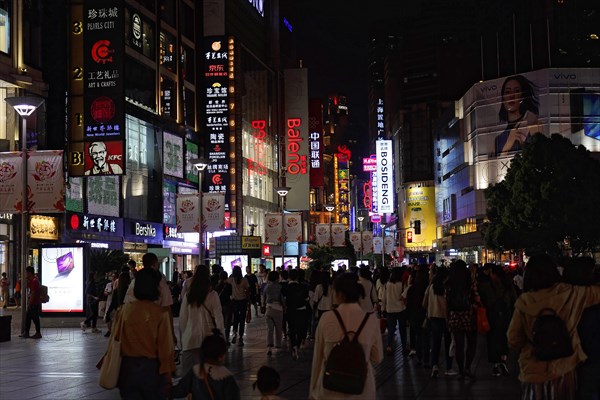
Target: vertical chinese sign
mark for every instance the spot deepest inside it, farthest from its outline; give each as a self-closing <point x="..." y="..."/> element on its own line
<point x="97" y="101"/>
<point x="217" y="119"/>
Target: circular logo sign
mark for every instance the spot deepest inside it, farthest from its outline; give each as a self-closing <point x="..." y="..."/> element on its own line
<point x="102" y="109"/>
<point x="136" y="26"/>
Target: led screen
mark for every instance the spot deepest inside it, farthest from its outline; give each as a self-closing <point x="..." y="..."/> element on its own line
<point x="62" y="270"/>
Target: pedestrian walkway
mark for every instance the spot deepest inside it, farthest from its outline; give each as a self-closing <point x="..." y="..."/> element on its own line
<point x="61" y="365"/>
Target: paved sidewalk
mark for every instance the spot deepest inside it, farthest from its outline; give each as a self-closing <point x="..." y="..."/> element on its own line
<point x="61" y="365"/>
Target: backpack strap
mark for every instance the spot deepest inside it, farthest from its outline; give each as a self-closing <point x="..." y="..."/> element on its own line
<point x="362" y="325"/>
<point x="339" y="318"/>
<point x="360" y="328"/>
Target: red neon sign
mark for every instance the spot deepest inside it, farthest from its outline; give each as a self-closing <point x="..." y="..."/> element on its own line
<point x="259" y="132"/>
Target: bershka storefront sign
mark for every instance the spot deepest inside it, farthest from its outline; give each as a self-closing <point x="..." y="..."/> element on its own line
<point x="147" y="232"/>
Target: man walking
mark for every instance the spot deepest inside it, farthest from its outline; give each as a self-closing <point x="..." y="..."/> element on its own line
<point x="34" y="305"/>
<point x="4" y="285"/>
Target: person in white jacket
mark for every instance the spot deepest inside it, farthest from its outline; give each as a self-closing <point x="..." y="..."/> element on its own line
<point x="330" y="333"/>
<point x="200" y="316"/>
<point x="394" y="308"/>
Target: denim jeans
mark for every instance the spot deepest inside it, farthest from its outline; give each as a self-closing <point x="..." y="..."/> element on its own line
<point x="398" y="318"/>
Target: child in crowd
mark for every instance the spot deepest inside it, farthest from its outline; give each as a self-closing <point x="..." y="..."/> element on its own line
<point x="210" y="379"/>
<point x="267" y="381"/>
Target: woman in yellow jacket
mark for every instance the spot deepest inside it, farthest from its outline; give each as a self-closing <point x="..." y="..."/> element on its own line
<point x="545" y="380"/>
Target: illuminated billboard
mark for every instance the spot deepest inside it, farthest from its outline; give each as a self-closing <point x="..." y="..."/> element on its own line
<point x="420" y="217"/>
<point x="501" y="115"/>
<point x="63" y="270"/>
<point x="385" y="176"/>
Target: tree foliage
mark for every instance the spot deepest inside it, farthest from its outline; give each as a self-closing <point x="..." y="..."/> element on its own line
<point x="550" y="195"/>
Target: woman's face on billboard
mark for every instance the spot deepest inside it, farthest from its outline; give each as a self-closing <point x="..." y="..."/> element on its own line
<point x="512" y="96"/>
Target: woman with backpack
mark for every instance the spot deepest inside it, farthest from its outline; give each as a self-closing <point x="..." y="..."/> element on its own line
<point x="394" y="308"/>
<point x="498" y="296"/>
<point x="548" y="312"/>
<point x="200" y="316"/>
<point x="462" y="300"/>
<point x="330" y="333"/>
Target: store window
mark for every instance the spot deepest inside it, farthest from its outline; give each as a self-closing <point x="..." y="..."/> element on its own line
<point x="168" y="98"/>
<point x="140" y="85"/>
<point x="139" y="33"/>
<point x="187" y="63"/>
<point x="5" y="26"/>
<point x="136" y="184"/>
<point x="168" y="51"/>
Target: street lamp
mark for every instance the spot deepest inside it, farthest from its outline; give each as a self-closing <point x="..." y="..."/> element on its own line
<point x="360" y="220"/>
<point x="200" y="164"/>
<point x="330" y="208"/>
<point x="24" y="106"/>
<point x="282" y="191"/>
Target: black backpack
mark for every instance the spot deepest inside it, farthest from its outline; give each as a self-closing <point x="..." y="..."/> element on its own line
<point x="346" y="366"/>
<point x="551" y="339"/>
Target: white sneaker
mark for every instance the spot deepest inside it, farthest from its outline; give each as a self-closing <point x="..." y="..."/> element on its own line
<point x="435" y="371"/>
<point x="83" y="326"/>
<point x="412" y="353"/>
<point x="450" y="372"/>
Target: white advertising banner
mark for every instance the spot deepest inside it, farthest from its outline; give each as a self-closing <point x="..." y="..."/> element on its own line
<point x="377" y="245"/>
<point x="103" y="195"/>
<point x="385" y="176"/>
<point x="388" y="244"/>
<point x="297" y="160"/>
<point x="188" y="213"/>
<point x="213" y="212"/>
<point x="367" y="242"/>
<point x="46" y="189"/>
<point x="10" y="182"/>
<point x="322" y="234"/>
<point x="293" y="227"/>
<point x="355" y="240"/>
<point x="173" y="155"/>
<point x="338" y="235"/>
<point x="273" y="228"/>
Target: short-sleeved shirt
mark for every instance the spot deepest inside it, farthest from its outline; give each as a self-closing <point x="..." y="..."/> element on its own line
<point x="239" y="289"/>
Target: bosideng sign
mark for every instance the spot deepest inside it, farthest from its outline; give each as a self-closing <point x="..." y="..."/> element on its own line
<point x="385" y="177"/>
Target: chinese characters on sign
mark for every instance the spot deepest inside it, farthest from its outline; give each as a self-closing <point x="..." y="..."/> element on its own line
<point x="217" y="59"/>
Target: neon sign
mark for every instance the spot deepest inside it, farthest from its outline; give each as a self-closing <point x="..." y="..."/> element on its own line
<point x="296" y="162"/>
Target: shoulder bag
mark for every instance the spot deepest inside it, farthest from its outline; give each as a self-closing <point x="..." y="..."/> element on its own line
<point x="110" y="364"/>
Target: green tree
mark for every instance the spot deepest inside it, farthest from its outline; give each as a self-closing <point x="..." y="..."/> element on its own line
<point x="550" y="196"/>
<point x="104" y="261"/>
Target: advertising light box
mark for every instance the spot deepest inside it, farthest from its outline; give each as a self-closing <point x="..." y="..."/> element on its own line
<point x="288" y="262"/>
<point x="63" y="270"/>
<point x="230" y="261"/>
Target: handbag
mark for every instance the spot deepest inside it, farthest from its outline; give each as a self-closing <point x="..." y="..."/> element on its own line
<point x="382" y="324"/>
<point x="248" y="314"/>
<point x="483" y="325"/>
<point x="110" y="364"/>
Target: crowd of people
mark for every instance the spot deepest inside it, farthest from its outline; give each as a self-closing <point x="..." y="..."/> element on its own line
<point x="427" y="305"/>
